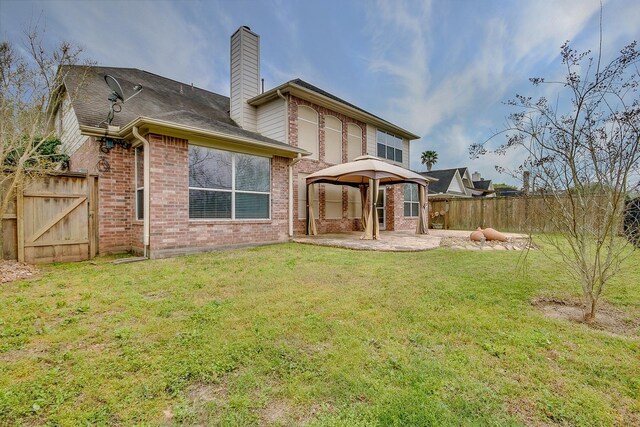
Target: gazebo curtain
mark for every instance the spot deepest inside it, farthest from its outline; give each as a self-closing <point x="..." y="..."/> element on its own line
<point x="372" y="230"/>
<point x="310" y="219"/>
<point x="364" y="205"/>
<point x="423" y="212"/>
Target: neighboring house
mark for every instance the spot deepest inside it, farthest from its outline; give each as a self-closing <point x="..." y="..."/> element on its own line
<point x="508" y="192"/>
<point x="184" y="170"/>
<point x="456" y="183"/>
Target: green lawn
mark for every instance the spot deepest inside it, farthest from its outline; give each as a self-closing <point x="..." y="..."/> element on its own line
<point x="292" y="334"/>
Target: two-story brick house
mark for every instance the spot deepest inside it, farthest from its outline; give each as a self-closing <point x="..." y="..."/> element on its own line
<point x="185" y="170"/>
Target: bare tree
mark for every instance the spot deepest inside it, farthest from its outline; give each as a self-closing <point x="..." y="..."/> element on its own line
<point x="583" y="152"/>
<point x="31" y="78"/>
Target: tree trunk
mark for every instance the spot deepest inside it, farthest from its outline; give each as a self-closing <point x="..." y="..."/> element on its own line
<point x="590" y="308"/>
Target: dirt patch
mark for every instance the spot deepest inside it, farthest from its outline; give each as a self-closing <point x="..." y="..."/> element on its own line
<point x="275" y="411"/>
<point x="14" y="270"/>
<point x="201" y="393"/>
<point x="608" y="318"/>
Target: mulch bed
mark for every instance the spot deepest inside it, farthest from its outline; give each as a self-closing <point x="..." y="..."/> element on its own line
<point x="14" y="270"/>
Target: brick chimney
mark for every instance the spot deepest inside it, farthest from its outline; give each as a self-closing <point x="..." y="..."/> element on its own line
<point x="476" y="176"/>
<point x="245" y="76"/>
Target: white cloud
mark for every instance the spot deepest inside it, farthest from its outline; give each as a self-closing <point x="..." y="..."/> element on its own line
<point x="154" y="36"/>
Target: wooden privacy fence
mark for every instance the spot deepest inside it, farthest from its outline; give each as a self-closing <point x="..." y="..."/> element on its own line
<point x="515" y="214"/>
<point x="53" y="219"/>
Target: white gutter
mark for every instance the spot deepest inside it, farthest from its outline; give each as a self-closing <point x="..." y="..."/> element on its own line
<point x="147" y="192"/>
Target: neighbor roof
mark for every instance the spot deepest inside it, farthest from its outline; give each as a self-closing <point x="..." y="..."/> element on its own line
<point x="161" y="99"/>
<point x="444" y="177"/>
<point x="482" y="184"/>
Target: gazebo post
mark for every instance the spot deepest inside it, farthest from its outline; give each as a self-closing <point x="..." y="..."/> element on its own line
<point x="307" y="208"/>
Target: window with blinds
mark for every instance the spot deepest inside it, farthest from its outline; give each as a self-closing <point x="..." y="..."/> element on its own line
<point x="389" y="146"/>
<point x="354" y="209"/>
<point x="411" y="201"/>
<point x="302" y="197"/>
<point x="332" y="201"/>
<point x="308" y="131"/>
<point x="354" y="142"/>
<point x="225" y="185"/>
<point x="139" y="157"/>
<point x="332" y="140"/>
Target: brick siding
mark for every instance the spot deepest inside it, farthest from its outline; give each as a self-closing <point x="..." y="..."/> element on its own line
<point x="115" y="188"/>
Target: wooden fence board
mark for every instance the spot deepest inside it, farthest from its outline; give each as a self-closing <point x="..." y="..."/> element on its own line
<point x="55" y="220"/>
<point x="515" y="214"/>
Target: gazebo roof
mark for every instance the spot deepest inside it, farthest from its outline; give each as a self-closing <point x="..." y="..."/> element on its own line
<point x="363" y="168"/>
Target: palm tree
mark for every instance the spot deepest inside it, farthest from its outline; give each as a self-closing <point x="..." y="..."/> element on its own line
<point x="429" y="158"/>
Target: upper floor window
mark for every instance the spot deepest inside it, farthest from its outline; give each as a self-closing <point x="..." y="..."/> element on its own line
<point x="225" y="185"/>
<point x="389" y="146"/>
<point x="332" y="140"/>
<point x="308" y="131"/>
<point x="354" y="142"/>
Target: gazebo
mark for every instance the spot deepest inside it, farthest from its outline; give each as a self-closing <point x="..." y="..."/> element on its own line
<point x="367" y="173"/>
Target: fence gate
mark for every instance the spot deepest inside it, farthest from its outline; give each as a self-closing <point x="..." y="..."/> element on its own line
<point x="56" y="219"/>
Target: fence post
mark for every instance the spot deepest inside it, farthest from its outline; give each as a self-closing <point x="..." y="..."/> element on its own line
<point x="20" y="222"/>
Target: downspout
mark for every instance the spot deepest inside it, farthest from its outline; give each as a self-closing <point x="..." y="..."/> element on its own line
<point x="147" y="192"/>
<point x="293" y="161"/>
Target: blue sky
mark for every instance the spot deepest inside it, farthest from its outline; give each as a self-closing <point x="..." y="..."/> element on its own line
<point x="441" y="69"/>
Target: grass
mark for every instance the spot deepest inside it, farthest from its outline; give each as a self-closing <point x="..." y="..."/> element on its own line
<point x="293" y="334"/>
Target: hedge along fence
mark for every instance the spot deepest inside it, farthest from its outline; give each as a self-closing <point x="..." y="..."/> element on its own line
<point x="515" y="214"/>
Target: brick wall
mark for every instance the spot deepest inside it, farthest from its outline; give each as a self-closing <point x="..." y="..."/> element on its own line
<point x="172" y="232"/>
<point x="394" y="210"/>
<point x="324" y="225"/>
<point x="115" y="187"/>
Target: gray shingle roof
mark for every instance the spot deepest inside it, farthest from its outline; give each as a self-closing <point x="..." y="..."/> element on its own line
<point x="444" y="176"/>
<point x="482" y="185"/>
<point x="161" y="99"/>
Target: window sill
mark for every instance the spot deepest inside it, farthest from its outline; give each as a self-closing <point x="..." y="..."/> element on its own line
<point x="230" y="221"/>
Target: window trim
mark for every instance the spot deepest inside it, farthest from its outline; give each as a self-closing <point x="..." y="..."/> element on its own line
<point x="233" y="190"/>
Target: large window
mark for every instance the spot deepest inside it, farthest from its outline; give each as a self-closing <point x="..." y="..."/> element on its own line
<point x="225" y="185"/>
<point x="139" y="155"/>
<point x="308" y="131"/>
<point x="354" y="141"/>
<point x="302" y="197"/>
<point x="411" y="201"/>
<point x="332" y="201"/>
<point x="389" y="146"/>
<point x="332" y="140"/>
<point x="354" y="209"/>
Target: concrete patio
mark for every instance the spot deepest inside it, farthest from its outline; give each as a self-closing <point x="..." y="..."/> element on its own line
<point x="391" y="241"/>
